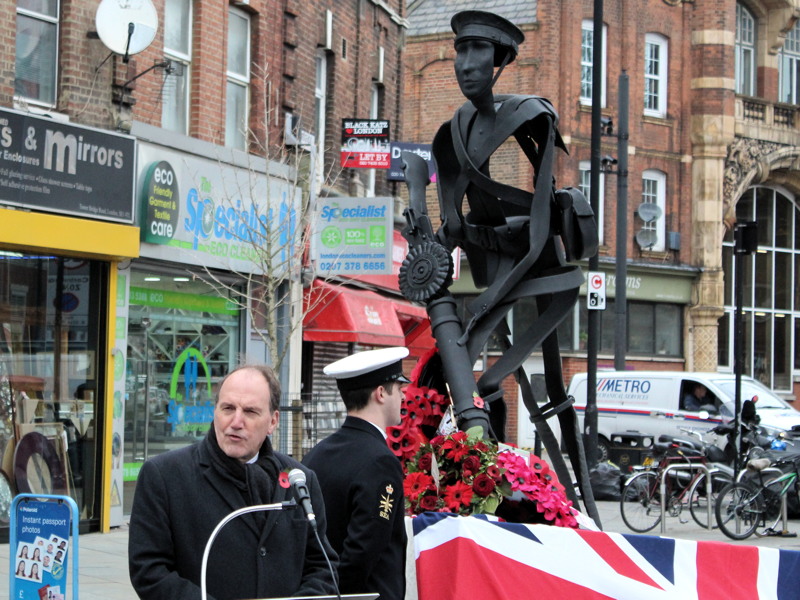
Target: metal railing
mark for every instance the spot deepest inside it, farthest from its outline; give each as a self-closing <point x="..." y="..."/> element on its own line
<point x="305" y="420"/>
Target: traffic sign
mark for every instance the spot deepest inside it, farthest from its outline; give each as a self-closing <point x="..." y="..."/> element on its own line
<point x="596" y="293"/>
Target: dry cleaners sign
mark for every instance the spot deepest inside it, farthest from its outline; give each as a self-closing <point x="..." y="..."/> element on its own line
<point x="62" y="168"/>
<point x="215" y="214"/>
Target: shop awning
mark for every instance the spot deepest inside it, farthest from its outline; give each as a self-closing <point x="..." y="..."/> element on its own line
<point x="335" y="313"/>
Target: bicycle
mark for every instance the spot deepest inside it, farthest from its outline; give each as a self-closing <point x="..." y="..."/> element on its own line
<point x="640" y="504"/>
<point x="743" y="506"/>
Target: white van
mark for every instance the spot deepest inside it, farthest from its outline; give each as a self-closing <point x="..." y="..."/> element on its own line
<point x="653" y="403"/>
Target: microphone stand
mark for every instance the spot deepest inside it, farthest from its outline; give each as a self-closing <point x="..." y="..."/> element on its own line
<point x="225" y="521"/>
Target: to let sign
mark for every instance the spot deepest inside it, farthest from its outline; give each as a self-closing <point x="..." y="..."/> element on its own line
<point x="365" y="144"/>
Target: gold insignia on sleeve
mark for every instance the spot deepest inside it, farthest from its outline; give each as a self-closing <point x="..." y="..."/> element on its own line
<point x="386" y="504"/>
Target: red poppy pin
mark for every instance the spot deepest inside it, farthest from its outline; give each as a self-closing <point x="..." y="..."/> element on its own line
<point x="283" y="480"/>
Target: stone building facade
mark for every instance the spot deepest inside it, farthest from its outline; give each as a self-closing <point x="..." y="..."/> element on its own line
<point x="712" y="120"/>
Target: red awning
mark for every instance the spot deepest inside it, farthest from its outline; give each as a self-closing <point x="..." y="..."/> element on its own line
<point x="335" y="313"/>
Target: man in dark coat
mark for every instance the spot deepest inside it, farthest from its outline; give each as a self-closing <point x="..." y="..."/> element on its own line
<point x="182" y="495"/>
<point x="361" y="480"/>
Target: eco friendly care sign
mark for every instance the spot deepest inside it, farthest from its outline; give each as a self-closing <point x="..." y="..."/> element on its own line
<point x="354" y="237"/>
<point x="41" y="550"/>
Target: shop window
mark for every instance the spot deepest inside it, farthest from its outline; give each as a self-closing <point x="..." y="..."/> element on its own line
<point x="654" y="329"/>
<point x="182" y="339"/>
<point x="52" y="313"/>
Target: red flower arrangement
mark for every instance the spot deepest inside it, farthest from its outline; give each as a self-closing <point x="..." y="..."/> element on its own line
<point x="463" y="479"/>
<point x="463" y="473"/>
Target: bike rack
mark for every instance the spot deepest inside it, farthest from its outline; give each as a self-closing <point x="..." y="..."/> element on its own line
<point x="663" y="488"/>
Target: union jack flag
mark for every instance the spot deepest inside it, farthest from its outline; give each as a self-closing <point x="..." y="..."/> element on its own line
<point x="464" y="558"/>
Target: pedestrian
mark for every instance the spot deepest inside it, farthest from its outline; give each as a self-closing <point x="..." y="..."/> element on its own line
<point x="361" y="479"/>
<point x="183" y="494"/>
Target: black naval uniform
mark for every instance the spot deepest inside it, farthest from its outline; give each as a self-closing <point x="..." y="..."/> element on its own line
<point x="362" y="485"/>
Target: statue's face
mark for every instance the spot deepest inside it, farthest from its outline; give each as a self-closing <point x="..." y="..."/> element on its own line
<point x="474" y="67"/>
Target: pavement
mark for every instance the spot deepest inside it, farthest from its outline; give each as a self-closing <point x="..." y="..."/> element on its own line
<point x="104" y="556"/>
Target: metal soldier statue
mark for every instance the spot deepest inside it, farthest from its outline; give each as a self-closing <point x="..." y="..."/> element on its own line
<point x="517" y="243"/>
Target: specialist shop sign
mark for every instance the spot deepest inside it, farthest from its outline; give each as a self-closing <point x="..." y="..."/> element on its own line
<point x="365" y="144"/>
<point x="353" y="236"/>
<point x="63" y="168"/>
<point x="206" y="212"/>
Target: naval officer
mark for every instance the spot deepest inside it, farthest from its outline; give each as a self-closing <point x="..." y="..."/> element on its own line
<point x="361" y="479"/>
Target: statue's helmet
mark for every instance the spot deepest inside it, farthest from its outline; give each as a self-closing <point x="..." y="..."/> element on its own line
<point x="481" y="25"/>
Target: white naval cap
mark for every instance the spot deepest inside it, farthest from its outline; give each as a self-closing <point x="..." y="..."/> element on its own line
<point x="368" y="369"/>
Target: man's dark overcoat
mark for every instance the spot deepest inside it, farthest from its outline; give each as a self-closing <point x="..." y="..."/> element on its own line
<point x="179" y="500"/>
<point x="362" y="482"/>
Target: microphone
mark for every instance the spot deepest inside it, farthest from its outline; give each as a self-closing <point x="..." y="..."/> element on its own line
<point x="298" y="481"/>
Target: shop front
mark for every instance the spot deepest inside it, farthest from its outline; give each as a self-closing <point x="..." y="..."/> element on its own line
<point x="349" y="314"/>
<point x="66" y="215"/>
<point x="202" y="220"/>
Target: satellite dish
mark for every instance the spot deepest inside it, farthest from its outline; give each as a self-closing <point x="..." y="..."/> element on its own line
<point x="648" y="211"/>
<point x="646" y="238"/>
<point x="126" y="26"/>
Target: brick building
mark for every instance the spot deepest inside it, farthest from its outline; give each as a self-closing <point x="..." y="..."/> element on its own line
<point x="128" y="152"/>
<point x="713" y="135"/>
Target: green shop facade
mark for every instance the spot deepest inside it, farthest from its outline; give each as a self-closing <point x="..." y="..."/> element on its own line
<point x="184" y="325"/>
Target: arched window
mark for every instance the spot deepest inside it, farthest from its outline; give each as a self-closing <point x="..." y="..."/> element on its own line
<point x="771" y="289"/>
<point x="745" y="51"/>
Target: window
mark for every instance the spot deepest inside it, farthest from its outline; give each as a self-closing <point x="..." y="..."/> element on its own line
<point x="654" y="329"/>
<point x="320" y="107"/>
<point x="587" y="56"/>
<point x="789" y="66"/>
<point x="177" y="48"/>
<point x="655" y="75"/>
<point x="654" y="185"/>
<point x="237" y="97"/>
<point x="585" y="186"/>
<point x="52" y="359"/>
<point x="770" y="288"/>
<point x="37" y="51"/>
<point x="745" y="51"/>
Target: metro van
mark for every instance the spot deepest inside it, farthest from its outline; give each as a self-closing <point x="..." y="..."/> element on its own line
<point x="651" y="403"/>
